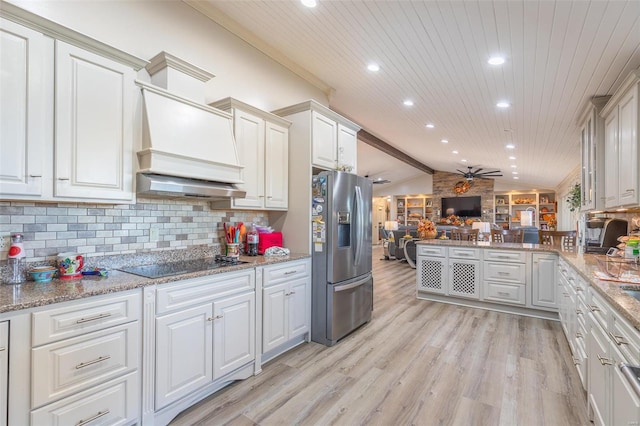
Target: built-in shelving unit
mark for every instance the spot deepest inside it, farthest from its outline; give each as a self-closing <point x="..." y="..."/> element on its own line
<point x="509" y="208"/>
<point x="410" y="209"/>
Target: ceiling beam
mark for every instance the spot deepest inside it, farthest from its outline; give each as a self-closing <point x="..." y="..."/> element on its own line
<point x="383" y="146"/>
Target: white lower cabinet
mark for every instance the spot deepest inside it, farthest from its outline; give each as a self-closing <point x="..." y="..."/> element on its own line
<point x="184" y="353"/>
<point x="286" y="303"/>
<point x="204" y="330"/>
<point x="4" y="371"/>
<point x="90" y="373"/>
<point x="504" y="277"/>
<point x="543" y="281"/>
<point x="452" y="271"/>
<point x="611" y="341"/>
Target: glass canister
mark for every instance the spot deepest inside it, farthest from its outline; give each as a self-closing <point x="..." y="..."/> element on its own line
<point x="16" y="262"/>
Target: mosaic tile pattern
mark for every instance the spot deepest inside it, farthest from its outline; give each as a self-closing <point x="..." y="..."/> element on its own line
<point x="101" y="230"/>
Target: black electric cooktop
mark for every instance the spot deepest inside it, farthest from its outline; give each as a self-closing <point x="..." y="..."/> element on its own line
<point x="183" y="267"/>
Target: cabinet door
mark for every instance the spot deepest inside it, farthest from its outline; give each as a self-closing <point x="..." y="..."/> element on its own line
<point x="94" y="126"/>
<point x="628" y="148"/>
<point x="347" y="148"/>
<point x="586" y="171"/>
<point x="26" y="110"/>
<point x="298" y="300"/>
<point x="184" y="360"/>
<point x="4" y="370"/>
<point x="276" y="157"/>
<point x="234" y="327"/>
<point x="598" y="373"/>
<point x="544" y="288"/>
<point x="324" y="141"/>
<point x="464" y="278"/>
<point x="611" y="159"/>
<point x="625" y="409"/>
<point x="274" y="316"/>
<point x="249" y="134"/>
<point x="431" y="274"/>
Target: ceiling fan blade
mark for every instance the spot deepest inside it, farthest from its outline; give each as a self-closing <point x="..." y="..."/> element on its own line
<point x="489" y="173"/>
<point x="479" y="169"/>
<point x="464" y="173"/>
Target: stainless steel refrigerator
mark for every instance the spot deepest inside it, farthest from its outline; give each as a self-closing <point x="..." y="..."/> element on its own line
<point x="342" y="286"/>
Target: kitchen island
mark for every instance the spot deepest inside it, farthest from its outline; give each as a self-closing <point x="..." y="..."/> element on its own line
<point x="491" y="254"/>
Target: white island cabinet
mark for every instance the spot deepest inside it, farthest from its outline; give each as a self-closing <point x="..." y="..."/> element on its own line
<point x="262" y="140"/>
<point x="67" y="115"/>
<point x="622" y="140"/>
<point x="489" y="276"/>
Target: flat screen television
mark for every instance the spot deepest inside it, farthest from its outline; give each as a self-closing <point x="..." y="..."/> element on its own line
<point x="462" y="206"/>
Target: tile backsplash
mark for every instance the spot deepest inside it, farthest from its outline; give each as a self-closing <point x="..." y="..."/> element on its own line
<point x="103" y="230"/>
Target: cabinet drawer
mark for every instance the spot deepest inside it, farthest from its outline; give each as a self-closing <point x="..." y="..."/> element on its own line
<point x="186" y="293"/>
<point x="428" y="250"/>
<point x="286" y="271"/>
<point x="63" y="368"/>
<point x="514" y="272"/>
<point x="513" y="294"/>
<point x="113" y="403"/>
<point x="626" y="339"/>
<point x="74" y="318"/>
<point x="599" y="309"/>
<point x="464" y="253"/>
<point x="505" y="256"/>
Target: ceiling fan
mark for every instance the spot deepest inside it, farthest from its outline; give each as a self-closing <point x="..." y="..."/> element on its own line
<point x="378" y="181"/>
<point x="478" y="173"/>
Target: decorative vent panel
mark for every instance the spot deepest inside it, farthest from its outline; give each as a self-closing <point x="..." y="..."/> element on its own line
<point x="431" y="274"/>
<point x="463" y="278"/>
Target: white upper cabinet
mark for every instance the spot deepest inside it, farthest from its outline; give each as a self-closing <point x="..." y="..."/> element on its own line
<point x="621" y="144"/>
<point x="331" y="137"/>
<point x="262" y="141"/>
<point x="67" y="113"/>
<point x="94" y="126"/>
<point x="26" y="110"/>
<point x="592" y="147"/>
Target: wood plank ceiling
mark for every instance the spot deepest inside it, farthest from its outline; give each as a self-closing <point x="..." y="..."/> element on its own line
<point x="558" y="55"/>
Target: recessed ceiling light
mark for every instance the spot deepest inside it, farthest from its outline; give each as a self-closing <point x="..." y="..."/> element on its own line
<point x="496" y="60"/>
<point x="510" y="146"/>
<point x="444" y="141"/>
<point x="513" y="166"/>
<point x="503" y="104"/>
<point x="516" y="177"/>
<point x="455" y="152"/>
<point x="512" y="158"/>
<point x="373" y="67"/>
<point x="430" y="126"/>
<point x="309" y="3"/>
<point x="408" y="102"/>
<point x="514" y="173"/>
<point x="463" y="160"/>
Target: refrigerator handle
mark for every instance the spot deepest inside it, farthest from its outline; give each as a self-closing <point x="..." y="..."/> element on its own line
<point x="359" y="223"/>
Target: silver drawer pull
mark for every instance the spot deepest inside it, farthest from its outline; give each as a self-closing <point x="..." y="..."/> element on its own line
<point x="93" y="318"/>
<point x="579" y="288"/>
<point x="503" y="273"/>
<point x="215" y="318"/>
<point x="63" y="178"/>
<point x="578" y="334"/>
<point x="594" y="308"/>
<point x="290" y="272"/>
<point x="35" y="176"/>
<point x="619" y="340"/>
<point x="95" y="361"/>
<point x="576" y="361"/>
<point x="603" y="360"/>
<point x="92" y="418"/>
<point x="503" y="293"/>
<point x="3" y="349"/>
<point x="579" y="311"/>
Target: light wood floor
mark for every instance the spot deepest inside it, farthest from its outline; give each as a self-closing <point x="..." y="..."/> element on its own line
<point x="415" y="363"/>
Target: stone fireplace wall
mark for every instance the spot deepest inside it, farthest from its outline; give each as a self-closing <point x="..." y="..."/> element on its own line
<point x="444" y="182"/>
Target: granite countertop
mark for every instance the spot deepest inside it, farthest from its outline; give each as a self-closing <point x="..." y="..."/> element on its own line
<point x="585" y="264"/>
<point x="31" y="294"/>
